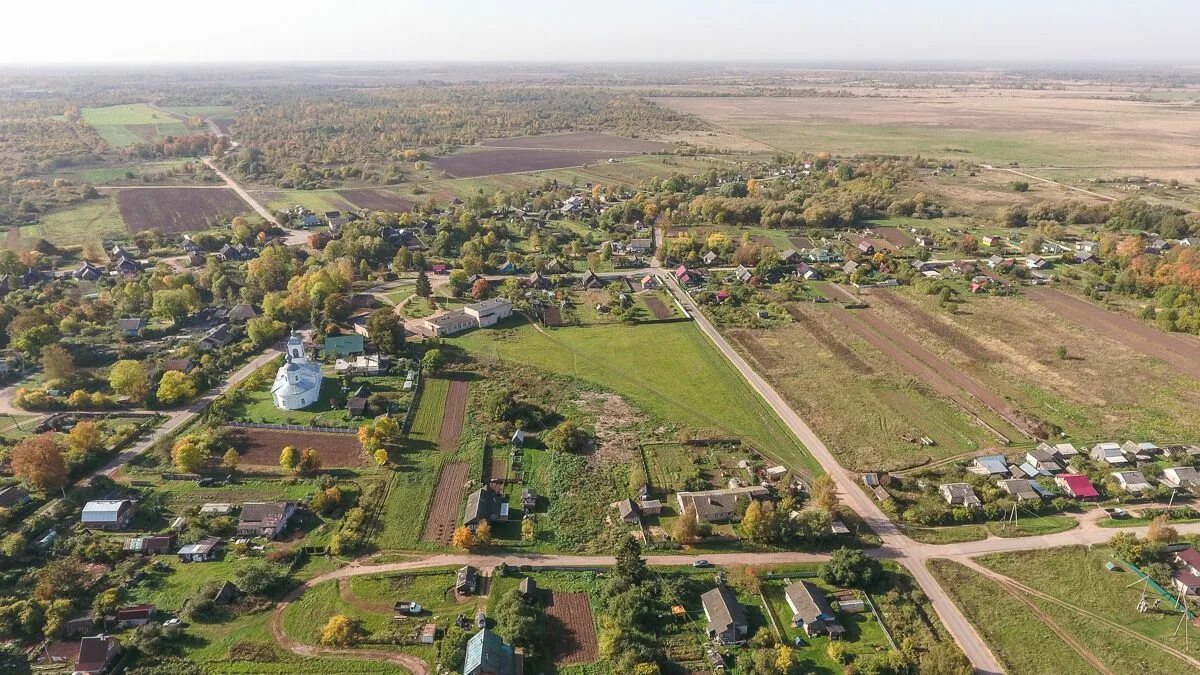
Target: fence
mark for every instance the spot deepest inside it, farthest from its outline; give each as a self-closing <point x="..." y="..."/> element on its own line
<point x="418" y="380"/>
<point x="292" y="427"/>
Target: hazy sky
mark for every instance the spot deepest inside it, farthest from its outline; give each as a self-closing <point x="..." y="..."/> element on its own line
<point x="91" y="31"/>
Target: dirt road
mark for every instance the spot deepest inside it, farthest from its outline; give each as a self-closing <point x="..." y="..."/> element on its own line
<point x="1181" y="351"/>
<point x="1039" y="179"/>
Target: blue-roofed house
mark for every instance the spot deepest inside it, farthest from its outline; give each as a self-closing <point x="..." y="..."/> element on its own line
<point x="487" y="654"/>
<point x="989" y="465"/>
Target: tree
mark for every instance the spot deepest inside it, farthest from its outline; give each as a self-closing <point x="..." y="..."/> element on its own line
<point x="483" y="533"/>
<point x="339" y="631"/>
<point x="85" y="437"/>
<point x="387" y="330"/>
<point x="174" y="387"/>
<point x="517" y="621"/>
<point x="1160" y="533"/>
<point x="745" y="579"/>
<point x="850" y="567"/>
<point x="289" y="458"/>
<point x="944" y="658"/>
<point x="260" y="577"/>
<point x="310" y="461"/>
<point x="13" y="545"/>
<point x="687" y="527"/>
<point x="630" y="566"/>
<point x="566" y="437"/>
<point x="381" y="457"/>
<point x="753" y="522"/>
<point x="647" y="668"/>
<point x="479" y="289"/>
<point x="174" y="304"/>
<point x="424" y="288"/>
<point x="189" y="454"/>
<point x="106" y="602"/>
<point x="263" y="330"/>
<point x="463" y="538"/>
<point x="824" y="494"/>
<point x="57" y="363"/>
<point x="453" y="649"/>
<point x="433" y="361"/>
<point x="231" y="459"/>
<point x="528" y="530"/>
<point x="129" y="378"/>
<point x="38" y="460"/>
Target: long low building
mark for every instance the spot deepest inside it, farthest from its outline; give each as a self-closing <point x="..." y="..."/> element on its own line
<point x="714" y="506"/>
<point x="476" y="315"/>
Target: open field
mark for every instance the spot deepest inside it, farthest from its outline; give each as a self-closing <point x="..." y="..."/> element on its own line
<point x="175" y="210"/>
<point x="125" y="125"/>
<point x="426" y="426"/>
<point x="261" y="447"/>
<point x="376" y="200"/>
<point x="712" y="398"/>
<point x="93" y="220"/>
<point x="1008" y="345"/>
<point x="1049" y="128"/>
<point x="824" y="370"/>
<point x="442" y="516"/>
<point x="485" y="162"/>
<point x="452" y="418"/>
<point x="571" y="628"/>
<point x="580" y="141"/>
<point x="202" y="110"/>
<point x="1181" y="351"/>
<point x="318" y="201"/>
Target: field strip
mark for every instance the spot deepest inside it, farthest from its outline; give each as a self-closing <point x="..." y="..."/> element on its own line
<point x="992" y="574"/>
<point x="1182" y="353"/>
<point x="442" y="517"/>
<point x="1051" y="182"/>
<point x="1079" y="648"/>
<point x="452" y="417"/>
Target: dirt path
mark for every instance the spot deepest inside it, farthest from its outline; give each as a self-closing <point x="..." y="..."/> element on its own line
<point x="447" y="498"/>
<point x="1039" y="179"/>
<point x="453" y="415"/>
<point x="1079" y="648"/>
<point x="1182" y="352"/>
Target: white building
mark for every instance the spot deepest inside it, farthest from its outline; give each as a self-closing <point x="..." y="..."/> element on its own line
<point x="298" y="382"/>
<point x="476" y="315"/>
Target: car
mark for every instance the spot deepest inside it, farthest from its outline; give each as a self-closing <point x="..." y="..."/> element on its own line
<point x="174" y="622"/>
<point x="701" y="564"/>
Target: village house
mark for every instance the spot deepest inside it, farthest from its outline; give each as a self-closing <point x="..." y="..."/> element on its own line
<point x="1109" y="452"/>
<point x="1035" y="262"/>
<point x="650" y="507"/>
<point x="726" y="617"/>
<point x="709" y="258"/>
<point x="865" y="247"/>
<point x="992" y="240"/>
<point x="959" y="494"/>
<point x="591" y="281"/>
<point x="108" y="514"/>
<point x="715" y="506"/>
<point x="135" y="615"/>
<point x="850" y="267"/>
<point x="628" y="511"/>
<point x="811" y="611"/>
<point x="96" y="654"/>
<point x="1043" y="460"/>
<point x="215" y="339"/>
<point x="241" y="313"/>
<point x="466" y="581"/>
<point x="485" y="504"/>
<point x="87" y="271"/>
<point x="743" y="274"/>
<point x="265" y="519"/>
<point x="989" y="465"/>
<point x="649" y="282"/>
<point x="488" y="654"/>
<point x="368" y="364"/>
<point x="202" y="551"/>
<point x="1132" y="482"/>
<point x="1181" y="477"/>
<point x="1076" y="485"/>
<point x="195" y="259"/>
<point x="924" y="241"/>
<point x="1022" y="489"/>
<point x="1141" y="451"/>
<point x="688" y="277"/>
<point x="131" y="327"/>
<point x="13" y="495"/>
<point x="807" y="272"/>
<point x="789" y="256"/>
<point x="1186" y="579"/>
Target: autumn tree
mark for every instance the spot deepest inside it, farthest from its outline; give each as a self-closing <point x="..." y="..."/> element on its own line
<point x="1159" y="532"/>
<point x="463" y="538"/>
<point x="289" y="458"/>
<point x="38" y="460"/>
<point x="381" y="457"/>
<point x="175" y="387"/>
<point x="84" y="437"/>
<point x="339" y="631"/>
<point x="824" y="494"/>
<point x="387" y="330"/>
<point x="687" y="527"/>
<point x="189" y="454"/>
<point x="231" y="459"/>
<point x="57" y="363"/>
<point x="129" y="378"/>
<point x="483" y="533"/>
<point x="479" y="289"/>
<point x="528" y="530"/>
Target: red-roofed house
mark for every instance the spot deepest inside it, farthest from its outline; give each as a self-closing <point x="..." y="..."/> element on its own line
<point x="1187" y="579"/>
<point x="686" y="276"/>
<point x="1077" y="485"/>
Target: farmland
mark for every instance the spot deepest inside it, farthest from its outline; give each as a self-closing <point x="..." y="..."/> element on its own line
<point x="125" y="125"/>
<point x="1073" y="128"/>
<point x="94" y="220"/>
<point x="442" y="517"/>
<point x="261" y="447"/>
<point x="580" y="141"/>
<point x="569" y="621"/>
<point x="175" y="210"/>
<point x="452" y="417"/>
<point x="715" y="399"/>
<point x="486" y="162"/>
<point x="375" y="200"/>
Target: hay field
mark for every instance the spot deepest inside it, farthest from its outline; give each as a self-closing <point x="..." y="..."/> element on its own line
<point x="996" y="126"/>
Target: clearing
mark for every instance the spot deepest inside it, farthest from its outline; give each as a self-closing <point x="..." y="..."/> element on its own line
<point x="442" y="517"/>
<point x="376" y="200"/>
<point x="261" y="447"/>
<point x="572" y="629"/>
<point x="175" y="210"/>
<point x="124" y="125"/>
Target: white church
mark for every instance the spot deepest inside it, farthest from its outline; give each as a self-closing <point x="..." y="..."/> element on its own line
<point x="298" y="382"/>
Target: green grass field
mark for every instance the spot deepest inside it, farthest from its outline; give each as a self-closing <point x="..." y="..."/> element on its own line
<point x="94" y="220"/>
<point x="202" y="110"/>
<point x="670" y="371"/>
<point x="318" y="201"/>
<point x="427" y="423"/>
<point x="260" y="407"/>
<point x="116" y="124"/>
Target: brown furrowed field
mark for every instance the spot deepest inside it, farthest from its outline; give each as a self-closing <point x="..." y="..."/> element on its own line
<point x="1111" y="386"/>
<point x="455" y="413"/>
<point x="1050" y="128"/>
<point x="261" y="447"/>
<point x="174" y="210"/>
<point x="472" y="163"/>
<point x="657" y="307"/>
<point x="377" y="201"/>
<point x="572" y="629"/>
<point x="581" y="141"/>
<point x="447" y="499"/>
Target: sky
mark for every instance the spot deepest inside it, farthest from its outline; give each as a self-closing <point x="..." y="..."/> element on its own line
<point x="209" y="31"/>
